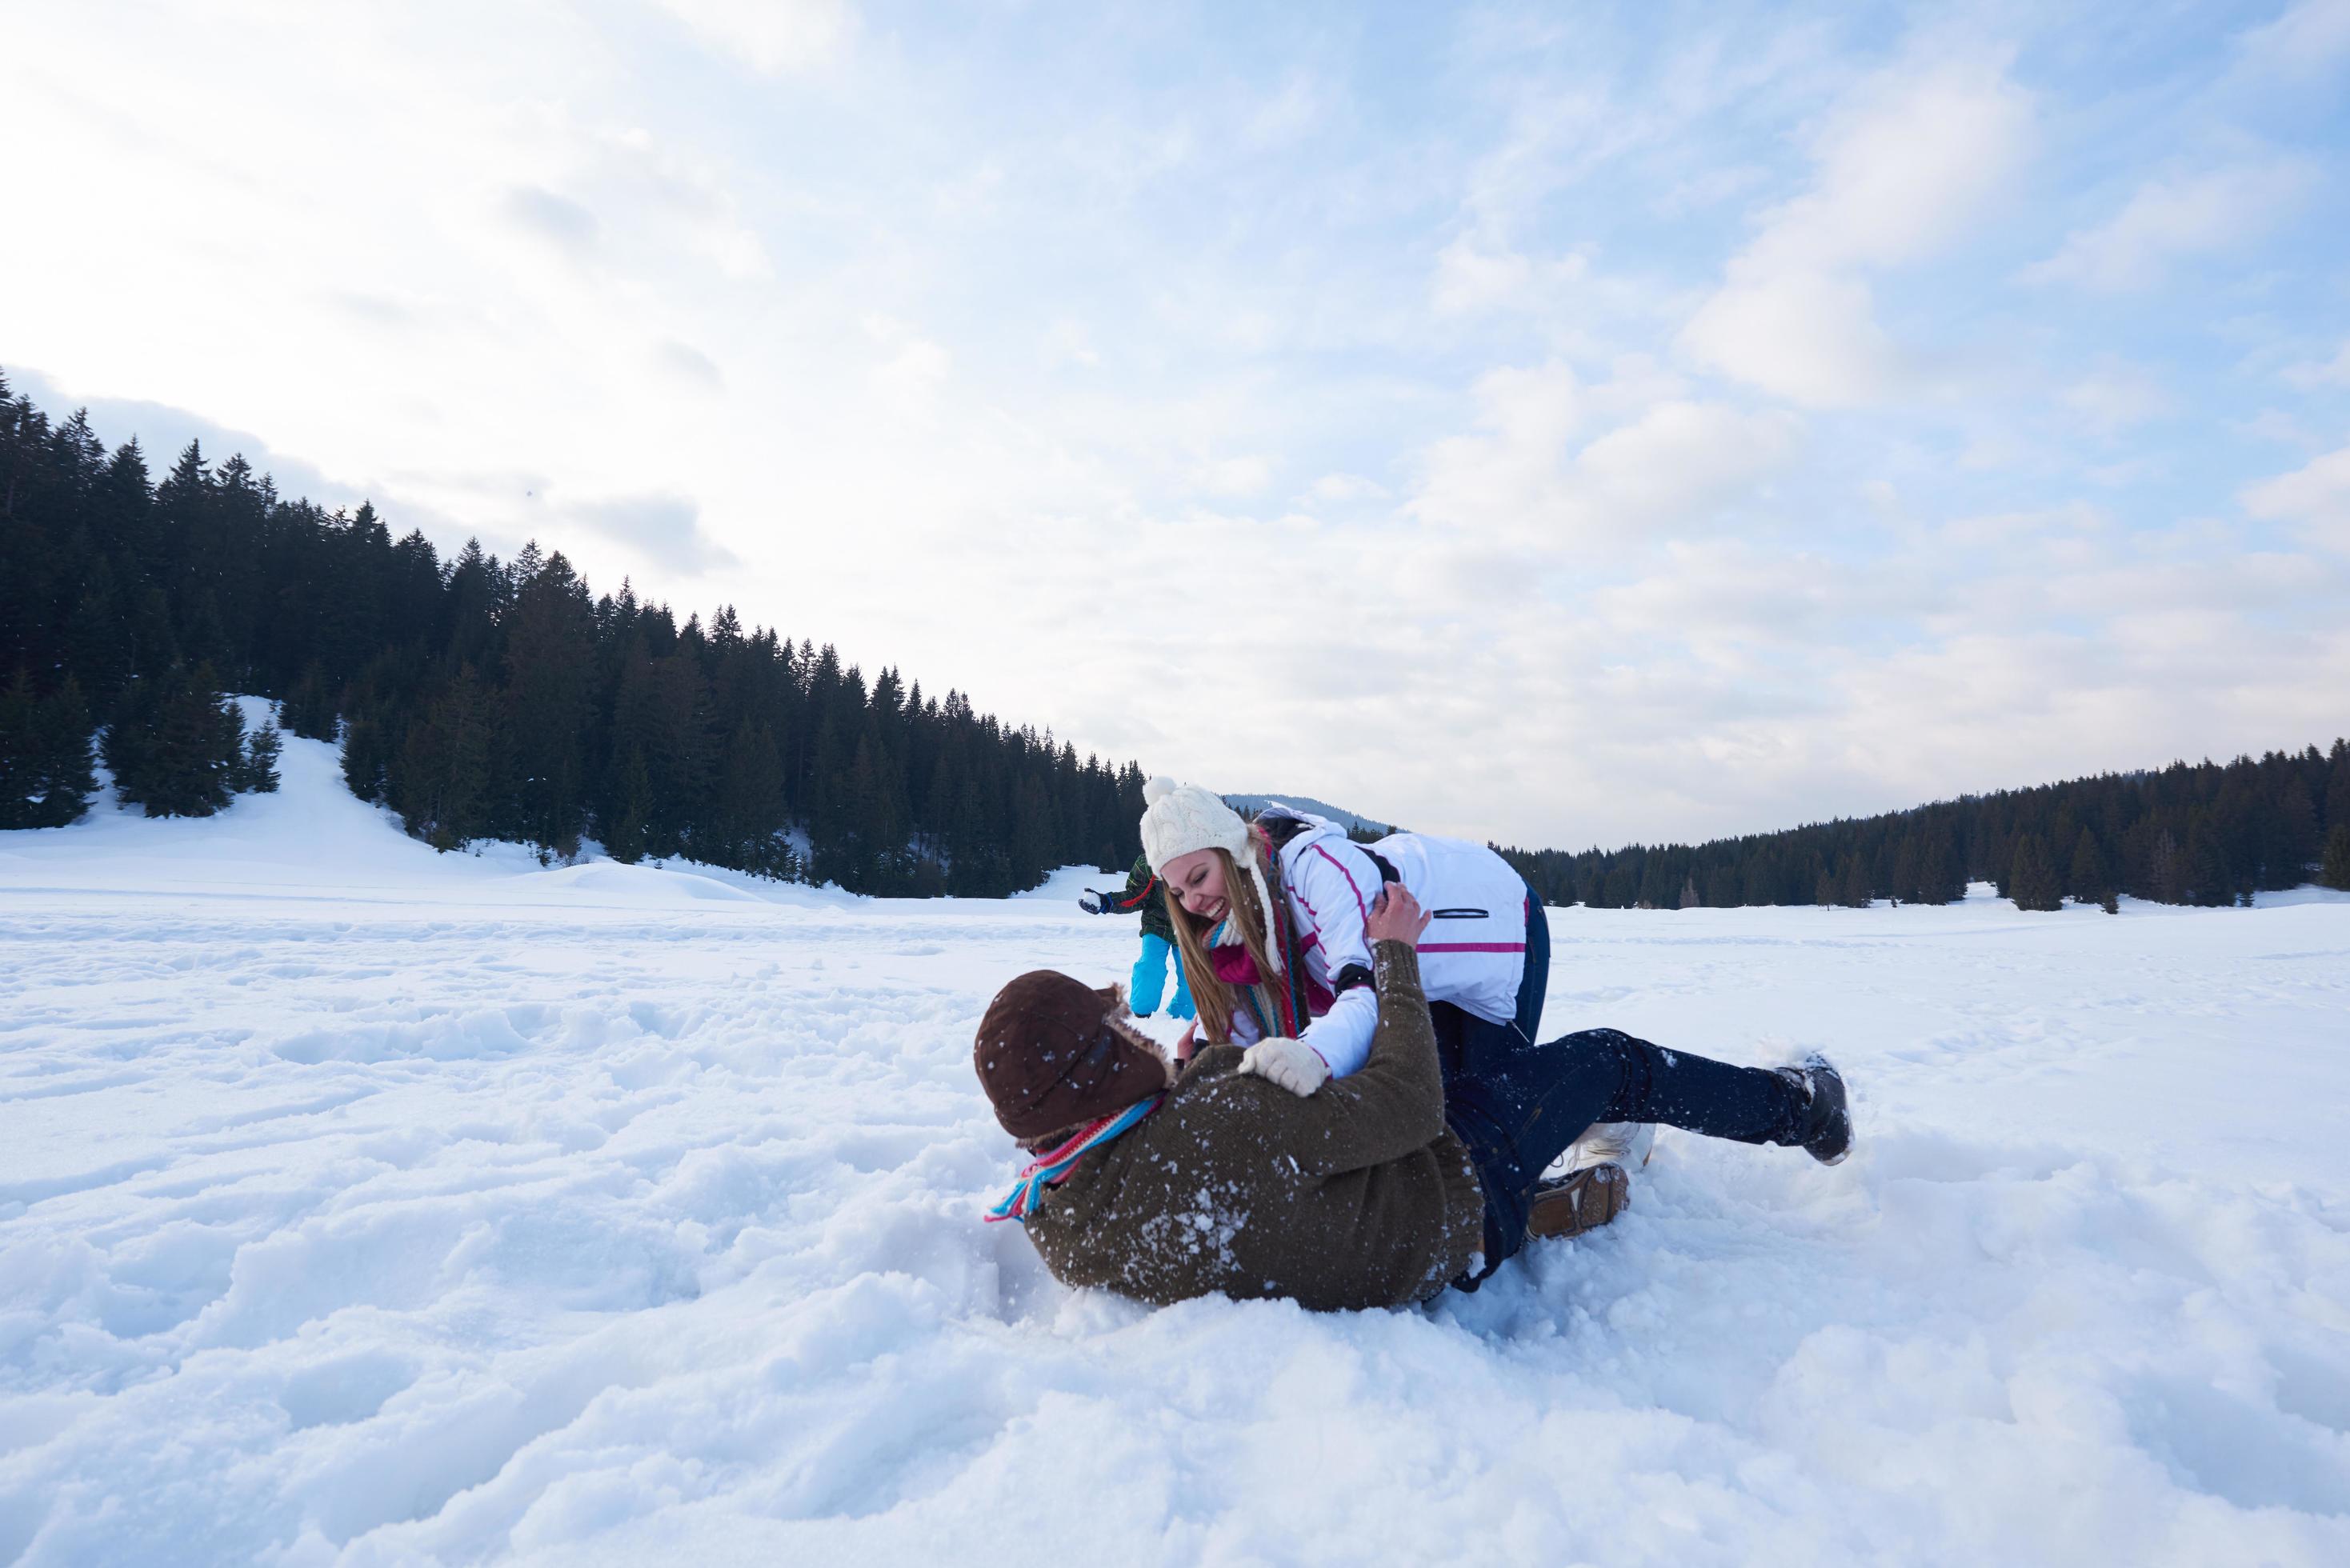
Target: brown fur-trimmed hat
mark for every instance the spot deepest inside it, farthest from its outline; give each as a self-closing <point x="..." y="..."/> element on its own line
<point x="1054" y="1052"/>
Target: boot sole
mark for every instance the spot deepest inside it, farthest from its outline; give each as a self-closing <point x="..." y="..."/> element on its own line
<point x="1584" y="1201"/>
<point x="1841" y="1115"/>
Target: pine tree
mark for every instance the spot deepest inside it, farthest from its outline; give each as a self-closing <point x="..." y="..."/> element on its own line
<point x="20" y="763"/>
<point x="1942" y="878"/>
<point x="442" y="783"/>
<point x="254" y="772"/>
<point x="1905" y="870"/>
<point x="632" y="789"/>
<point x="2033" y="882"/>
<point x="154" y="647"/>
<point x="550" y="654"/>
<point x="71" y="777"/>
<point x="98" y="648"/>
<point x="46" y="780"/>
<point x="2337" y="784"/>
<point x="175" y="748"/>
<point x="259" y="774"/>
<point x="2333" y="870"/>
<point x="2211" y="884"/>
<point x="309" y="709"/>
<point x="866" y="821"/>
<point x="750" y="804"/>
<point x="366" y="756"/>
<point x="2288" y="834"/>
<point x="2166" y="871"/>
<point x="2088" y="878"/>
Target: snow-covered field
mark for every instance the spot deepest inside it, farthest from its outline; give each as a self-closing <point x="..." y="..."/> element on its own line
<point x="363" y="1205"/>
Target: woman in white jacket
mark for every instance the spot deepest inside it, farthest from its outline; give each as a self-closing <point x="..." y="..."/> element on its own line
<point x="1270" y="918"/>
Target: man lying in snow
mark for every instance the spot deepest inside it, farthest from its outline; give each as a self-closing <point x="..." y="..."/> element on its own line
<point x="1370" y="1191"/>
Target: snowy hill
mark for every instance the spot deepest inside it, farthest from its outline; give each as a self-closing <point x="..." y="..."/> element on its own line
<point x="363" y="1205"/>
<point x="313" y="838"/>
<point x="1306" y="802"/>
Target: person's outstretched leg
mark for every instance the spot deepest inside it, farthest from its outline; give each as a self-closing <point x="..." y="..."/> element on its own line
<point x="1516" y="1124"/>
<point x="1608" y="1075"/>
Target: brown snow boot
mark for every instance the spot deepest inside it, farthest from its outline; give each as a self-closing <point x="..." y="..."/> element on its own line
<point x="1571" y="1205"/>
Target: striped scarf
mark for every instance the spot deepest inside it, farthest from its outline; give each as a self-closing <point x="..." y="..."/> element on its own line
<point x="1053" y="1167"/>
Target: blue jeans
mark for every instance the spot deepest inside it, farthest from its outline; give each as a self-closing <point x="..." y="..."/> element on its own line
<point x="1517" y="1107"/>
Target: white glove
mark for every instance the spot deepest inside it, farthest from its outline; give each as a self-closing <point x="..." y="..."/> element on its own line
<point x="1294" y="1064"/>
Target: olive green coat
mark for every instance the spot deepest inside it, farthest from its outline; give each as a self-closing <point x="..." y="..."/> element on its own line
<point x="1355" y="1196"/>
<point x="1145" y="892"/>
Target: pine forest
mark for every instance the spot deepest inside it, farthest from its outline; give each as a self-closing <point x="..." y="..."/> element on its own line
<point x="2205" y="833"/>
<point x="481" y="699"/>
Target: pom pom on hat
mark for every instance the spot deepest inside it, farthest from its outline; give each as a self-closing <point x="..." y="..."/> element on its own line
<point x="1158" y="789"/>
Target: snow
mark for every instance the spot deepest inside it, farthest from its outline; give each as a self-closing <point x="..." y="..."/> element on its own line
<point x="359" y="1204"/>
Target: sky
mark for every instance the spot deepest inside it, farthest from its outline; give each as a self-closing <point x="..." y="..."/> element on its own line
<point x="1561" y="424"/>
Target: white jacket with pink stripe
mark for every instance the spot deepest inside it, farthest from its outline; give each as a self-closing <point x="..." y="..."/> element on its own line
<point x="1474" y="954"/>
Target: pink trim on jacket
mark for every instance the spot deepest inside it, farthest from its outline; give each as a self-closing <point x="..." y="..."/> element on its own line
<point x="1360" y="907"/>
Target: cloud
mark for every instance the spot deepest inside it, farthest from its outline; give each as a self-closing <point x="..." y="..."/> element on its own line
<point x="1068" y="342"/>
<point x="1903" y="167"/>
<point x="558" y="220"/>
<point x="771" y="37"/>
<point x="664" y="529"/>
<point x="2166" y="220"/>
<point x="2315" y="498"/>
<point x="1233" y="478"/>
<point x="912" y="368"/>
<point x="1682" y="464"/>
<point x="688" y="364"/>
<point x="2117" y="398"/>
<point x="164" y="431"/>
<point x="1345" y="487"/>
<point x="2006" y="531"/>
<point x="2304" y="44"/>
<point x="1471" y="277"/>
<point x="1712" y="592"/>
<point x="1675" y="467"/>
<point x="1811" y="337"/>
<point x="376" y="310"/>
<point x="2313" y="373"/>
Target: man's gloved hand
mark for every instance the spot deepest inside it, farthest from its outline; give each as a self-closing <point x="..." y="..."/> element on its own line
<point x="1294" y="1064"/>
<point x="1091" y="901"/>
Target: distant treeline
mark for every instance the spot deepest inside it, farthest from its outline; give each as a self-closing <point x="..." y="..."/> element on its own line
<point x="2205" y="834"/>
<point x="482" y="699"/>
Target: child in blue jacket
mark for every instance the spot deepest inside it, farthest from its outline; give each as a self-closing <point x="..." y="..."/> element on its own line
<point x="1149" y="977"/>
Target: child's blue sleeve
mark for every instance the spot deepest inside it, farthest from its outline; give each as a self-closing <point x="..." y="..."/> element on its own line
<point x="1182" y="1006"/>
<point x="1149" y="977"/>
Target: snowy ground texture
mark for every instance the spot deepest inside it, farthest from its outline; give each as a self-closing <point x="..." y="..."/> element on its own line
<point x="360" y="1205"/>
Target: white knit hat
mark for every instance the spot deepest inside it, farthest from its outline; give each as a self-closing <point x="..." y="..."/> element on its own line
<point x="1178" y="818"/>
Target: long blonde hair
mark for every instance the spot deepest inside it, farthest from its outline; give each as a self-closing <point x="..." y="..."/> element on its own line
<point x="1216" y="1000"/>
